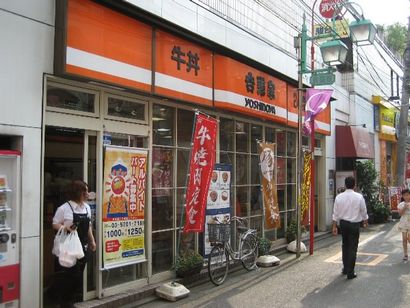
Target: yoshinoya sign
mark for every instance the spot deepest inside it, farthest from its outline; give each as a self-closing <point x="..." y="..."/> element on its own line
<point x="258" y="105"/>
<point x="327" y="8"/>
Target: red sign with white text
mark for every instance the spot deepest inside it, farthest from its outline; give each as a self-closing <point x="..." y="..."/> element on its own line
<point x="327" y="8"/>
<point x="200" y="171"/>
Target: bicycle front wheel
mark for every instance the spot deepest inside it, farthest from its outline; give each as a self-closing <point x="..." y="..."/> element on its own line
<point x="218" y="264"/>
<point x="249" y="252"/>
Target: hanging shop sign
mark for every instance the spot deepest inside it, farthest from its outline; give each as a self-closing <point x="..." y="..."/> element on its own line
<point x="125" y="175"/>
<point x="218" y="208"/>
<point x="183" y="69"/>
<point x="241" y="88"/>
<point x="329" y="8"/>
<point x="387" y="124"/>
<point x="341" y="29"/>
<point x="105" y="45"/>
<point x="305" y="197"/>
<point x="200" y="171"/>
<point x="270" y="198"/>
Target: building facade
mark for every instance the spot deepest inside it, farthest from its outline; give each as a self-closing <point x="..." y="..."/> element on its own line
<point x="93" y="73"/>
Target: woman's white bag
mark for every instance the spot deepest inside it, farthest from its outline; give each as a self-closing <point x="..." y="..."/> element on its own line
<point x="59" y="240"/>
<point x="70" y="250"/>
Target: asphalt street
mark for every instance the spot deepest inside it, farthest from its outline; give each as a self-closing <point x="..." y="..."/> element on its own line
<point x="315" y="281"/>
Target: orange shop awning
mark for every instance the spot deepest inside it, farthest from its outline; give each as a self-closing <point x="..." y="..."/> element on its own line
<point x="354" y="142"/>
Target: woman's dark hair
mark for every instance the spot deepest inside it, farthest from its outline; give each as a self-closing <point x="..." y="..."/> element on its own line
<point x="350" y="182"/>
<point x="76" y="190"/>
<point x="405" y="191"/>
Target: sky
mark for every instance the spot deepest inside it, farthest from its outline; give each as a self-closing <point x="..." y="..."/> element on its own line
<point x="385" y="12"/>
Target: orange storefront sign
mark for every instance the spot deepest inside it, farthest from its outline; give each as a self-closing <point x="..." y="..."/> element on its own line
<point x="241" y="88"/>
<point x="105" y="45"/>
<point x="183" y="69"/>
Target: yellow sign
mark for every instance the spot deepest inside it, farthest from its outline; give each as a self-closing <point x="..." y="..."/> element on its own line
<point x="387" y="123"/>
<point x="124" y="206"/>
<point x="305" y="198"/>
<point x="341" y="28"/>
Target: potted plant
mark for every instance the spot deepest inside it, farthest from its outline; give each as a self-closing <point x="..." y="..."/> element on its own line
<point x="188" y="263"/>
<point x="292" y="231"/>
<point x="380" y="211"/>
<point x="263" y="246"/>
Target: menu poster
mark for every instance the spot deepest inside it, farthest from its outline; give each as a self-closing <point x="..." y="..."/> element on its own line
<point x="218" y="207"/>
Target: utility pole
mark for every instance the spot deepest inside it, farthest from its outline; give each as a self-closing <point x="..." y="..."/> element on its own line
<point x="404" y="114"/>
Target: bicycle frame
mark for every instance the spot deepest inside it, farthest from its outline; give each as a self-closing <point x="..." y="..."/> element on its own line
<point x="237" y="255"/>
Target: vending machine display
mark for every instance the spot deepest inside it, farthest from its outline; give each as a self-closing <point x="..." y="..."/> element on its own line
<point x="9" y="228"/>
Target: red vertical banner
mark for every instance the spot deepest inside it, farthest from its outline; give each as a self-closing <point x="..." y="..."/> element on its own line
<point x="200" y="170"/>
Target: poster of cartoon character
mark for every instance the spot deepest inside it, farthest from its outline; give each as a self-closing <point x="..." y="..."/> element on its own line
<point x="124" y="205"/>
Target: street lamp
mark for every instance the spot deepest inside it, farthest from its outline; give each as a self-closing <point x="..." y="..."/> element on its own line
<point x="334" y="52"/>
<point x="362" y="32"/>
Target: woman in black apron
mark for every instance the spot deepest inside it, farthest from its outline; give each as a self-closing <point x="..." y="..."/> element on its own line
<point x="75" y="215"/>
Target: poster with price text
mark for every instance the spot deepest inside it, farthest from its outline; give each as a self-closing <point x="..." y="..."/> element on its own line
<point x="123" y="206"/>
<point x="218" y="206"/>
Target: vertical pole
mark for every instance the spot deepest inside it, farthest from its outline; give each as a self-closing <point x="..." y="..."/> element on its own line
<point x="404" y="111"/>
<point x="302" y="38"/>
<point x="312" y="186"/>
<point x="299" y="151"/>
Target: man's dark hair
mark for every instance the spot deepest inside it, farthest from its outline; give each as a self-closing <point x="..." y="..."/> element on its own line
<point x="350" y="182"/>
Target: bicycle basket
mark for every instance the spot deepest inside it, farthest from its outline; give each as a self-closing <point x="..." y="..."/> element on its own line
<point x="219" y="232"/>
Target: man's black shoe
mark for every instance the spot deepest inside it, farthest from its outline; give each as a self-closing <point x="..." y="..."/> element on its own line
<point x="351" y="276"/>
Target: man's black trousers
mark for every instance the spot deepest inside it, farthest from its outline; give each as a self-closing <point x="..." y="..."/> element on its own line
<point x="350" y="240"/>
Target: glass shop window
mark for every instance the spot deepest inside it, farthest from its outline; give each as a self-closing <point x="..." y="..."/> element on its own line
<point x="71" y="99"/>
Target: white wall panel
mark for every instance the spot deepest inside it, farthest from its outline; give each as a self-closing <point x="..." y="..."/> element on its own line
<point x="211" y="27"/>
<point x="153" y="6"/>
<point x="23" y="60"/>
<point x="30" y="272"/>
<point x="181" y="15"/>
<point x="39" y="10"/>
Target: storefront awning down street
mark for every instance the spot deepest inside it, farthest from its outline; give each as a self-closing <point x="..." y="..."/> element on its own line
<point x="354" y="142"/>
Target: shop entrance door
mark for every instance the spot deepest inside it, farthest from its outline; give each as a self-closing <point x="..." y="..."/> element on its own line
<point x="69" y="154"/>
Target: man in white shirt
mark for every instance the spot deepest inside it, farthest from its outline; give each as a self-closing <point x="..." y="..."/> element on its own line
<point x="349" y="211"/>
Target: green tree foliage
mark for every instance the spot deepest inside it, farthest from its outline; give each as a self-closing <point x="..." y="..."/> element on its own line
<point x="396" y="37"/>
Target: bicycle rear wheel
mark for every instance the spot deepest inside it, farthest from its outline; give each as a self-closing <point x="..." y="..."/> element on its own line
<point x="249" y="252"/>
<point x="218" y="261"/>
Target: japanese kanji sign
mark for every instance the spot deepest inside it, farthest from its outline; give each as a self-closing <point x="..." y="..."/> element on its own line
<point x="200" y="170"/>
<point x="125" y="175"/>
<point x="270" y="197"/>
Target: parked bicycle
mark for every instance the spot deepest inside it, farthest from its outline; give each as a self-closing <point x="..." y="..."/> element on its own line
<point x="218" y="259"/>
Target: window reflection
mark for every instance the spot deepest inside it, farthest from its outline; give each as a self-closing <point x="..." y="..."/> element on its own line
<point x="242" y="201"/>
<point x="256" y="200"/>
<point x="270" y="134"/>
<point x="226" y="134"/>
<point x="281" y="142"/>
<point x="162" y="210"/>
<point x="162" y="163"/>
<point x="119" y="107"/>
<point x="242" y="134"/>
<point x="162" y="251"/>
<point x="242" y="169"/>
<point x="185" y="123"/>
<point x="163" y="125"/>
<point x="291" y="144"/>
<point x="256" y="135"/>
<point x="71" y="99"/>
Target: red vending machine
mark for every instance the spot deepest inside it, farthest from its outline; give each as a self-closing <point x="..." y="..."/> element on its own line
<point x="9" y="228"/>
